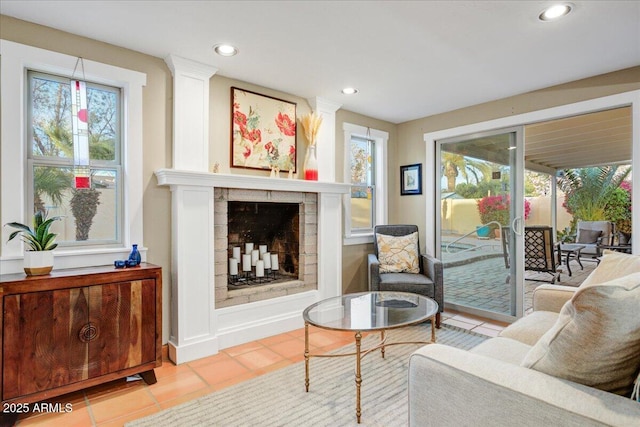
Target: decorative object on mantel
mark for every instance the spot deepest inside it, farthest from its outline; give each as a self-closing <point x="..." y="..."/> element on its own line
<point x="263" y="131"/>
<point x="311" y="125"/>
<point x="38" y="260"/>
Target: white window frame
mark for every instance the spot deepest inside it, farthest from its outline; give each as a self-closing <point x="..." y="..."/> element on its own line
<point x="380" y="138"/>
<point x="15" y="60"/>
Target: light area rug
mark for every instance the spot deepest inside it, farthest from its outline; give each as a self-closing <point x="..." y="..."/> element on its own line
<point x="279" y="398"/>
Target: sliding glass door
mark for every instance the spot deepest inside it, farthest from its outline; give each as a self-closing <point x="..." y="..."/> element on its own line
<point x="480" y="222"/>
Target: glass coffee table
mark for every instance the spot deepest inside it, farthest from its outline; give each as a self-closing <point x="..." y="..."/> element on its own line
<point x="366" y="312"/>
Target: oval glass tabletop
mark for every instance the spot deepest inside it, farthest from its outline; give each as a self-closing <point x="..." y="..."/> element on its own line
<point x="370" y="311"/>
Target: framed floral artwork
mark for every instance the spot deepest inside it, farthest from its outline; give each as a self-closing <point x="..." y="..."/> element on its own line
<point x="263" y="131"/>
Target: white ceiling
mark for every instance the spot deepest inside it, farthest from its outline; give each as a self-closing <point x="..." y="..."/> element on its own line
<point x="409" y="59"/>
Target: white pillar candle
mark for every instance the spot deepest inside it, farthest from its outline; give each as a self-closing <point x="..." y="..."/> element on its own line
<point x="274" y="261"/>
<point x="233" y="266"/>
<point x="246" y="262"/>
<point x="236" y="252"/>
<point x="255" y="256"/>
<point x="263" y="249"/>
<point x="248" y="247"/>
<point x="266" y="257"/>
<point x="260" y="268"/>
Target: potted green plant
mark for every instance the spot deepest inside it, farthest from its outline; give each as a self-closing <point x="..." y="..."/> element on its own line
<point x="38" y="260"/>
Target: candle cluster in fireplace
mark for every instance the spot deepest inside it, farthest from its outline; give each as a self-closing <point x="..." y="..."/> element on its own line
<point x="252" y="265"/>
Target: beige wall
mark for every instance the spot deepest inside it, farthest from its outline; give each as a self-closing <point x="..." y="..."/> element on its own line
<point x="220" y="123"/>
<point x="156" y="129"/>
<point x="354" y="258"/>
<point x="411" y="133"/>
<point x="406" y="145"/>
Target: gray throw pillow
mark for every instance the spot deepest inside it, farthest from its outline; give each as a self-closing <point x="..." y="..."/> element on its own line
<point x="588" y="236"/>
<point x="624" y="238"/>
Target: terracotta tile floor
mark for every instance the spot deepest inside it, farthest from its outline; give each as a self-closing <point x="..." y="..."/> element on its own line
<point x="118" y="402"/>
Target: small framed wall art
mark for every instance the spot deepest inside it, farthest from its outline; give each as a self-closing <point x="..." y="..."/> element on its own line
<point x="263" y="132"/>
<point x="411" y="179"/>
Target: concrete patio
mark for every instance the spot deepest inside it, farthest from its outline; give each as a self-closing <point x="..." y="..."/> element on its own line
<point x="475" y="275"/>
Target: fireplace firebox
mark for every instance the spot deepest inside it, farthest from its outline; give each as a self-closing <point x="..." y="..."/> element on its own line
<point x="281" y="224"/>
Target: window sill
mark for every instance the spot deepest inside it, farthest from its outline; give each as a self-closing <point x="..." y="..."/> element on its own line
<point x="63" y="259"/>
<point x="361" y="239"/>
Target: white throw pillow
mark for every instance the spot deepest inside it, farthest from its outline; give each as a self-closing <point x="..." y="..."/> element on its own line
<point x="596" y="340"/>
<point x="398" y="254"/>
<point x="613" y="265"/>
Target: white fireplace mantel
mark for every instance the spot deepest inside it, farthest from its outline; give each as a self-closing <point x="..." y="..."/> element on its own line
<point x="206" y="179"/>
<point x="198" y="329"/>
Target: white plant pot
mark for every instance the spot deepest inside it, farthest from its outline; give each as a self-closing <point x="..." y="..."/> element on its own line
<point x="38" y="263"/>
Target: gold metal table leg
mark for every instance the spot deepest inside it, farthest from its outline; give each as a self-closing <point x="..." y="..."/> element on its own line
<point x="382" y="338"/>
<point x="306" y="356"/>
<point x="358" y="376"/>
<point x="433" y="329"/>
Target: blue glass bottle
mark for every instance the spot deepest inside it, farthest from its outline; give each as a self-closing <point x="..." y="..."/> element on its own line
<point x="135" y="255"/>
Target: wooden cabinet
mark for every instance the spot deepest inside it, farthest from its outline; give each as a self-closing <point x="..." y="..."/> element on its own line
<point x="77" y="328"/>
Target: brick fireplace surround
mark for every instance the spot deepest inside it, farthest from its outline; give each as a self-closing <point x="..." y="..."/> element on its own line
<point x="307" y="255"/>
<point x="201" y="326"/>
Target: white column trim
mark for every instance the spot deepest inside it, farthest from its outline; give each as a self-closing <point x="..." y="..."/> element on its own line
<point x="192" y="333"/>
<point x="326" y="143"/>
<point x="190" y="113"/>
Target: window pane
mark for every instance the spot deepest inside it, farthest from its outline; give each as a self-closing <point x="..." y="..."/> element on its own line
<point x="92" y="215"/>
<point x="50" y="117"/>
<point x="88" y="214"/>
<point x="360" y="161"/>
<point x="104" y="122"/>
<point x="362" y="178"/>
<point x="361" y="207"/>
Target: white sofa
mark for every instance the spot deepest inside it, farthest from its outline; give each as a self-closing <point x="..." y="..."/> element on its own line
<point x="490" y="385"/>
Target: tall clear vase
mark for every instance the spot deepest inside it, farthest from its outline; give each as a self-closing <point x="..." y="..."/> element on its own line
<point x="311" y="164"/>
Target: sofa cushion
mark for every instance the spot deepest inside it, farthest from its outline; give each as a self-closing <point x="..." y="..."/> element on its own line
<point x="530" y="328"/>
<point x="398" y="254"/>
<point x="505" y="349"/>
<point x="596" y="340"/>
<point x="613" y="265"/>
<point x="588" y="236"/>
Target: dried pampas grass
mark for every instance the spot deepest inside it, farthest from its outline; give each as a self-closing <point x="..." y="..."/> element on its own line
<point x="311" y="125"/>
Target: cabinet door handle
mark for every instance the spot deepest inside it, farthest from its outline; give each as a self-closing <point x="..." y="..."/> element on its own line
<point x="88" y="332"/>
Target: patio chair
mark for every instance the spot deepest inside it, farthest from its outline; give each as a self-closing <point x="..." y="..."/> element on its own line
<point x="414" y="272"/>
<point x="540" y="252"/>
<point x="593" y="234"/>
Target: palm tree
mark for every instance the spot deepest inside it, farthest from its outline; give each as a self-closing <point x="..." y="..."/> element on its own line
<point x="454" y="165"/>
<point x="52" y="182"/>
<point x="588" y="190"/>
<point x="84" y="202"/>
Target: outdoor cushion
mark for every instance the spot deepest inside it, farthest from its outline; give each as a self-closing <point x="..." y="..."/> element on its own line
<point x="596" y="340"/>
<point x="589" y="236"/>
<point x="398" y="254"/>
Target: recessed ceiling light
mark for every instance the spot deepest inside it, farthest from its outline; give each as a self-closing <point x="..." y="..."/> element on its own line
<point x="225" y="49"/>
<point x="349" y="90"/>
<point x="555" y="12"/>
